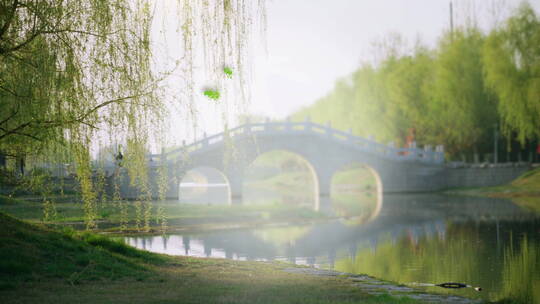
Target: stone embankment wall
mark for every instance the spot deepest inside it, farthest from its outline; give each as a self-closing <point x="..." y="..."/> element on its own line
<point x="418" y="177"/>
<point x="486" y="175"/>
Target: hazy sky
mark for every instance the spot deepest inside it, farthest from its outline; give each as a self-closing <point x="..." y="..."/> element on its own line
<point x="312" y="43"/>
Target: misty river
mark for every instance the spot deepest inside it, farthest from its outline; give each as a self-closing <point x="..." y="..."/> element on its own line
<point x="427" y="238"/>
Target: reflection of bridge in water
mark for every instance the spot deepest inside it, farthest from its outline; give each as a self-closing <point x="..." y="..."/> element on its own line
<point x="411" y="216"/>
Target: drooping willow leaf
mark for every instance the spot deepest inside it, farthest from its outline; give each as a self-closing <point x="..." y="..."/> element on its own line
<point x="212" y="94"/>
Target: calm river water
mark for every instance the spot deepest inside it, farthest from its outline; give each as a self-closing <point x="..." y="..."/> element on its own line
<point x="491" y="243"/>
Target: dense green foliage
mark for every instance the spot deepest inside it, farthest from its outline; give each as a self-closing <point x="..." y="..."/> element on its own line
<point x="454" y="94"/>
<point x="73" y="75"/>
<point x="79" y="76"/>
<point x="68" y="68"/>
<point x="512" y="67"/>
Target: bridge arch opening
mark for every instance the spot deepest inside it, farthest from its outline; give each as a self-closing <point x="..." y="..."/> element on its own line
<point x="204" y="185"/>
<point x="281" y="177"/>
<point x="356" y="193"/>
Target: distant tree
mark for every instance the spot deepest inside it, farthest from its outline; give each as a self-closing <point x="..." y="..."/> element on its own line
<point x="453" y="94"/>
<point x="406" y="83"/>
<point x="512" y="70"/>
<point x="462" y="109"/>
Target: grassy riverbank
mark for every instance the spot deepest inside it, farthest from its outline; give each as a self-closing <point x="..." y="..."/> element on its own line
<point x="39" y="265"/>
<point x="68" y="211"/>
<point x="524" y="191"/>
<point x="280" y="198"/>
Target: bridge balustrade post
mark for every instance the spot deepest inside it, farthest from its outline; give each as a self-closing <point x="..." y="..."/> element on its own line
<point x="267" y="126"/>
<point x="391" y="150"/>
<point x="350" y="136"/>
<point x="247" y="128"/>
<point x="413" y="150"/>
<point x="371" y="143"/>
<point x="440" y="153"/>
<point x="163" y="158"/>
<point x="205" y="140"/>
<point x="329" y="131"/>
<point x="307" y="126"/>
<point x="428" y="153"/>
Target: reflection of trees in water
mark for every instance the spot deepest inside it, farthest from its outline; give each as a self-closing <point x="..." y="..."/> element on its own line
<point x="521" y="273"/>
<point x="354" y="194"/>
<point x="504" y="263"/>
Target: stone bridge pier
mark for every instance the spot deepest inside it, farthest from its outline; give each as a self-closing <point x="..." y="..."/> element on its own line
<point x="235" y="178"/>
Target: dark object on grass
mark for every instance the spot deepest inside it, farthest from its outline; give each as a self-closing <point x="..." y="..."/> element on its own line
<point x="449" y="285"/>
<point x="457" y="285"/>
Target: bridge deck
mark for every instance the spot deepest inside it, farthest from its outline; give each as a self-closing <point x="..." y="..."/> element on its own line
<point x="389" y="151"/>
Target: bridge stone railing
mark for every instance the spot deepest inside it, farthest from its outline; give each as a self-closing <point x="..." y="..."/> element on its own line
<point x="368" y="145"/>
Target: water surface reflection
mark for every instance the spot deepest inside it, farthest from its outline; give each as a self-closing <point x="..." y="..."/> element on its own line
<point x="491" y="243"/>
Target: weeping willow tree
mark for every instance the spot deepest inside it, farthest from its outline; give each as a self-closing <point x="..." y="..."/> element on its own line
<point x="512" y="69"/>
<point x="75" y="74"/>
<point x="462" y="108"/>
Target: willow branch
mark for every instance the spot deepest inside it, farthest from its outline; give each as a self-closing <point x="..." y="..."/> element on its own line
<point x="10" y="116"/>
<point x="15" y="130"/>
<point x="21" y="45"/>
<point x="106" y="103"/>
<point x="12" y="92"/>
<point x="42" y="32"/>
<point x="6" y="25"/>
<point x="82" y="118"/>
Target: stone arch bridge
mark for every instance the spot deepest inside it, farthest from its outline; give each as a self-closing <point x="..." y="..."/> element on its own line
<point x="325" y="150"/>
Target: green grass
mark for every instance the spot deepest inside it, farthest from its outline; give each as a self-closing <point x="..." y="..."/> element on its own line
<point x="32" y="253"/>
<point x="39" y="265"/>
<point x="528" y="182"/>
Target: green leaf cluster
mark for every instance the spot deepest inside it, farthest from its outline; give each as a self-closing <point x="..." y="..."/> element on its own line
<point x="228" y="71"/>
<point x="212" y="94"/>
